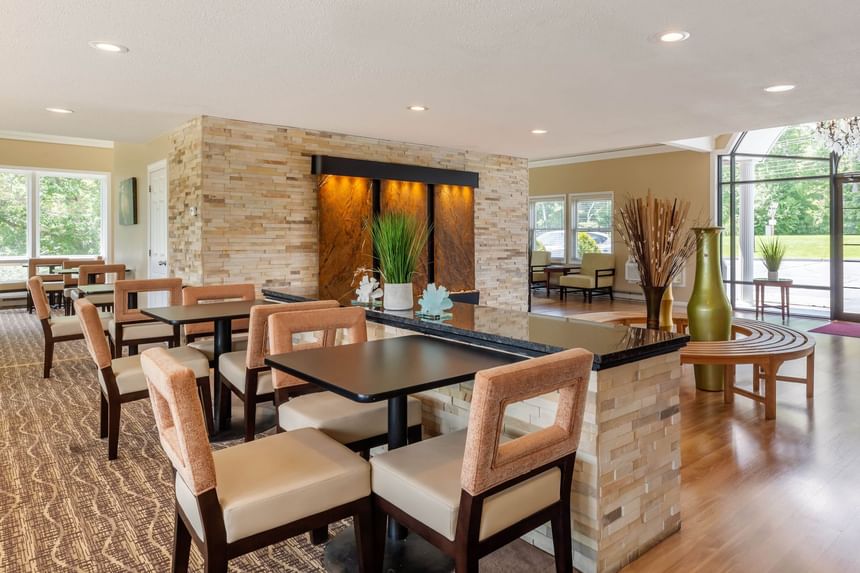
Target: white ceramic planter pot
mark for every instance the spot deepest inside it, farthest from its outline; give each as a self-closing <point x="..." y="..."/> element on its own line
<point x="772" y="275"/>
<point x="397" y="296"/>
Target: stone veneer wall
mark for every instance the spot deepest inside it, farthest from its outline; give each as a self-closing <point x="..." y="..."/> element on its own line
<point x="258" y="205"/>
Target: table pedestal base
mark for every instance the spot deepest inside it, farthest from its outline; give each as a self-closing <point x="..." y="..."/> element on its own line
<point x="411" y="554"/>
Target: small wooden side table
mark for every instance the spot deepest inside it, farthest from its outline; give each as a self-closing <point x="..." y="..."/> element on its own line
<point x="784" y="286"/>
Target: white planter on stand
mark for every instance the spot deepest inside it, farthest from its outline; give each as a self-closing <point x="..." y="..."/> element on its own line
<point x="772" y="275"/>
<point x="397" y="296"/>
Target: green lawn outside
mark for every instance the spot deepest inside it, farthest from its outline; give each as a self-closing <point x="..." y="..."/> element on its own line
<point x="808" y="246"/>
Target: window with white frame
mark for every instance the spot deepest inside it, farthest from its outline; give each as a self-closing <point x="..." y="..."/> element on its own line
<point x="546" y="219"/>
<point x="590" y="223"/>
<point x="47" y="213"/>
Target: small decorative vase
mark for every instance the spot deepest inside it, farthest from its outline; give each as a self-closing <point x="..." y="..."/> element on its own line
<point x="397" y="296"/>
<point x="666" y="307"/>
<point x="709" y="311"/>
<point x="773" y="275"/>
<point x="653" y="302"/>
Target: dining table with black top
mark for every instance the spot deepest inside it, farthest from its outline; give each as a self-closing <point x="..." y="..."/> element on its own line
<point x="390" y="369"/>
<point x="222" y="314"/>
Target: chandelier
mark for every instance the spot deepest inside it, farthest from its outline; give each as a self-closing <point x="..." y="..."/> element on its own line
<point x="840" y="136"/>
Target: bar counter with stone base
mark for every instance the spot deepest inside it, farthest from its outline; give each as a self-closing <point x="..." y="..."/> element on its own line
<point x="627" y="479"/>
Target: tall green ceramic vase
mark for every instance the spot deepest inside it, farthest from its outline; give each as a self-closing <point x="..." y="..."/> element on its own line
<point x="709" y="310"/>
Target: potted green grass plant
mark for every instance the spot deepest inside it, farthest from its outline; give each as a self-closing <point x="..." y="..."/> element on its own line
<point x="398" y="240"/>
<point x="772" y="252"/>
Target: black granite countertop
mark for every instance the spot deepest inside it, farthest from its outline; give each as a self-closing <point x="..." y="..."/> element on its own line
<point x="526" y="333"/>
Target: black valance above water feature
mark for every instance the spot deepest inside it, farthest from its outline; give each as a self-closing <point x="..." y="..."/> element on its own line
<point x="327" y="165"/>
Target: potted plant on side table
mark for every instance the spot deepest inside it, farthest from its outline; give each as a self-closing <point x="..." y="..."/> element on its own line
<point x="772" y="253"/>
<point x="398" y="242"/>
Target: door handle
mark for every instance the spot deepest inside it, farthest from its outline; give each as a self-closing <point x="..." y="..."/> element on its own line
<point x="162" y="263"/>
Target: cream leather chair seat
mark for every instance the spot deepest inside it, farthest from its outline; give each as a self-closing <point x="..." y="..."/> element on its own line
<point x="423" y="480"/>
<point x="129" y="374"/>
<point x="70" y="325"/>
<point x="54" y="287"/>
<point x="279" y="479"/>
<point x="132" y="332"/>
<point x="340" y="418"/>
<point x="232" y="366"/>
<point x="207" y="346"/>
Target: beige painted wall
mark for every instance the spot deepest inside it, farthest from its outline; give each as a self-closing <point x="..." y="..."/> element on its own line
<point x="681" y="174"/>
<point x="131" y="160"/>
<point x="16" y="153"/>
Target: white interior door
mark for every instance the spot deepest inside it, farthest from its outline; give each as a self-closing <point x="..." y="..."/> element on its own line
<point x="157" y="265"/>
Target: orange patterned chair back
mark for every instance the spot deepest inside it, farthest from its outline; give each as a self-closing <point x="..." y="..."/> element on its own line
<point x="33" y="266"/>
<point x="94" y="333"/>
<point x="70" y="280"/>
<point x="181" y="427"/>
<point x="98" y="273"/>
<point x="258" y="338"/>
<point x="220" y="293"/>
<point x="123" y="314"/>
<point x="487" y="462"/>
<point x="40" y="299"/>
<point x="283" y="326"/>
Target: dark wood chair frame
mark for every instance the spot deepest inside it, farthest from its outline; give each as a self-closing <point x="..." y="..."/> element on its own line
<point x="112" y="401"/>
<point x="50" y="339"/>
<point x="133" y="346"/>
<point x="588" y="293"/>
<point x="533" y="284"/>
<point x="467" y="547"/>
<point x="249" y="398"/>
<point x="217" y="552"/>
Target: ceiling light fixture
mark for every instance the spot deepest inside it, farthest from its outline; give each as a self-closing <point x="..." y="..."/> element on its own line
<point x="108" y="47"/>
<point x="418" y="108"/>
<point x="674" y="36"/>
<point x="779" y="88"/>
<point x="59" y="110"/>
<point x="539" y="131"/>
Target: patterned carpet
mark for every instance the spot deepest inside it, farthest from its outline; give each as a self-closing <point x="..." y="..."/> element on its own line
<point x="63" y="506"/>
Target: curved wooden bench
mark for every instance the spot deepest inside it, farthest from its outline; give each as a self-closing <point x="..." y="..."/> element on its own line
<point x="763" y="345"/>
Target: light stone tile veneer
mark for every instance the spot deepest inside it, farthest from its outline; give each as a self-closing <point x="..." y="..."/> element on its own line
<point x="258" y="207"/>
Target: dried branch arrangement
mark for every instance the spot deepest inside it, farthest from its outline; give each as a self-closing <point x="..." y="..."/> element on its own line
<point x="657" y="237"/>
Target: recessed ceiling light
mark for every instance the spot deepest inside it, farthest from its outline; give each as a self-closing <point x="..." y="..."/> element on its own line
<point x="418" y="108"/>
<point x="108" y="47"/>
<point x="674" y="36"/>
<point x="59" y="110"/>
<point x="779" y="88"/>
<point x="539" y="131"/>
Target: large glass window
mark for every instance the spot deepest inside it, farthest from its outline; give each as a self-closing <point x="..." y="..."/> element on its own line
<point x="546" y="215"/>
<point x="52" y="214"/>
<point x="591" y="223"/>
<point x="775" y="185"/>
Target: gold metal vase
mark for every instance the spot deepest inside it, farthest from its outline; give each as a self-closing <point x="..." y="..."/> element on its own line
<point x="709" y="311"/>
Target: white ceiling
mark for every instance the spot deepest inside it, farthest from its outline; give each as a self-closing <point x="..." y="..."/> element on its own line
<point x="490" y="70"/>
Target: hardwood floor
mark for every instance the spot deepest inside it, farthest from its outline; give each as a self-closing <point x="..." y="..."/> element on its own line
<point x="760" y="496"/>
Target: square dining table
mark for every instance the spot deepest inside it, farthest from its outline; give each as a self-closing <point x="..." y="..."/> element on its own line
<point x="222" y="315"/>
<point x="390" y="369"/>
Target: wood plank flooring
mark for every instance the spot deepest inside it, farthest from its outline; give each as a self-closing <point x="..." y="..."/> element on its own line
<point x="759" y="496"/>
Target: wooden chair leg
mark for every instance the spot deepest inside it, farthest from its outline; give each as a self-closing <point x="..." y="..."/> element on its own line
<point x="181" y="547"/>
<point x="49" y="357"/>
<point x="103" y="417"/>
<point x="414" y="434"/>
<point x="224" y="404"/>
<point x="132" y="349"/>
<point x="113" y="430"/>
<point x="368" y="560"/>
<point x="561" y="542"/>
<point x="380" y="530"/>
<point x="250" y="418"/>
<point x="206" y="402"/>
<point x="319" y="535"/>
<point x="810" y="375"/>
<point x="215" y="560"/>
<point x="465" y="561"/>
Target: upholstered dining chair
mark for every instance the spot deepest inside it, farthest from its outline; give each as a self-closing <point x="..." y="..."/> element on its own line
<point x="53" y="283"/>
<point x="471" y="492"/>
<point x="358" y="426"/>
<point x="199" y="335"/>
<point x="249" y="496"/>
<point x="70" y="281"/>
<point x="539" y="261"/>
<point x="55" y="328"/>
<point x="98" y="274"/>
<point x="130" y="327"/>
<point x="244" y="373"/>
<point x="121" y="380"/>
